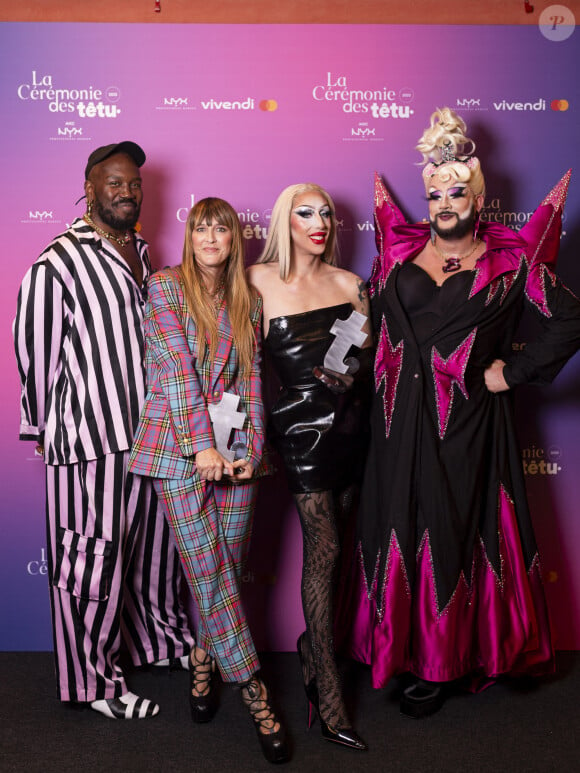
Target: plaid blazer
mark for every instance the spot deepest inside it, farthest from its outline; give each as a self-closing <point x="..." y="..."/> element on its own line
<point x="175" y="423"/>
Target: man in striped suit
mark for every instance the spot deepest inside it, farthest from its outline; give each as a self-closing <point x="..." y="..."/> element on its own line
<point x="113" y="570"/>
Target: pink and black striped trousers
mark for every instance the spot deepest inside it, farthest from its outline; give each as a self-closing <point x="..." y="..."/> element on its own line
<point x="114" y="577"/>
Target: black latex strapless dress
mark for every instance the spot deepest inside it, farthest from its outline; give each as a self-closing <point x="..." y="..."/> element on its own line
<point x="321" y="436"/>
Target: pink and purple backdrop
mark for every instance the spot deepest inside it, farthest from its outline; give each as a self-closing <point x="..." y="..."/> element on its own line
<point x="241" y="111"/>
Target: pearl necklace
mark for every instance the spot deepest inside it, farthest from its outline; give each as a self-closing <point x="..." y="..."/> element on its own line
<point x="123" y="241"/>
<point x="452" y="263"/>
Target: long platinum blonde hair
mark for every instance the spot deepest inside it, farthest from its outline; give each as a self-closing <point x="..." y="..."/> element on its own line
<point x="448" y="151"/>
<point x="279" y="242"/>
<point x="240" y="298"/>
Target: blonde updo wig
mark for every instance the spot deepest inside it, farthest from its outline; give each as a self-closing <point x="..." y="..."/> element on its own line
<point x="447" y="152"/>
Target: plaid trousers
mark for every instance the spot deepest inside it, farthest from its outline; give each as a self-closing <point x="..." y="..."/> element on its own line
<point x="212" y="523"/>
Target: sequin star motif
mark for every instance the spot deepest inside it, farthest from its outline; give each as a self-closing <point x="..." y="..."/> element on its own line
<point x="388" y="364"/>
<point x="542" y="234"/>
<point x="446" y="373"/>
<point x="386" y="214"/>
<point x="506" y="282"/>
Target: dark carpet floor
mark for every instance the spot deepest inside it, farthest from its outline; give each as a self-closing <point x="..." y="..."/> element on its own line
<point x="511" y="727"/>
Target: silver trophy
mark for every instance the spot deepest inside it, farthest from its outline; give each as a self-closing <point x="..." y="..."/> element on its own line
<point x="224" y="418"/>
<point x="348" y="333"/>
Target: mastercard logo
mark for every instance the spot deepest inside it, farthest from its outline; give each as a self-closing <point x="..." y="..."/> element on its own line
<point x="560" y="104"/>
<point x="268" y="105"/>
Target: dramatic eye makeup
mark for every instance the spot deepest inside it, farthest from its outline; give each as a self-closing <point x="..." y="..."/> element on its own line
<point x="306" y="212"/>
<point x="457" y="192"/>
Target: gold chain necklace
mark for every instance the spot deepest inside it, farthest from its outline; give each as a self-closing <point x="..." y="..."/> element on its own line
<point x="452" y="263"/>
<point x="122" y="240"/>
<point x="218" y="294"/>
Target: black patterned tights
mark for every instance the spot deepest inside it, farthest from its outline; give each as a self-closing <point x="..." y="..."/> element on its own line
<point x="322" y="515"/>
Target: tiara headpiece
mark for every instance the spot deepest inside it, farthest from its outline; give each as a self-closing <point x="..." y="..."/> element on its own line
<point x="448" y="154"/>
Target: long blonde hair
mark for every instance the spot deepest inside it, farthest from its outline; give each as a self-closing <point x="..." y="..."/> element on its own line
<point x="279" y="242"/>
<point x="239" y="297"/>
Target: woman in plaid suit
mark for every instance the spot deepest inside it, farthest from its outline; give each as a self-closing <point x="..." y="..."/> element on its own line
<point x="202" y="333"/>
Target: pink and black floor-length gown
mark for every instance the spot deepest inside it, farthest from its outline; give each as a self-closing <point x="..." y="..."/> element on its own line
<point x="446" y="579"/>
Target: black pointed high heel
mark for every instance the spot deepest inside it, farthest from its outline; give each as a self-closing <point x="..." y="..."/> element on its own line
<point x="345" y="736"/>
<point x="273" y="744"/>
<point x="201" y="679"/>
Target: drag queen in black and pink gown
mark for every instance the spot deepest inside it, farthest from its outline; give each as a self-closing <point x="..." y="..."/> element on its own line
<point x="446" y="580"/>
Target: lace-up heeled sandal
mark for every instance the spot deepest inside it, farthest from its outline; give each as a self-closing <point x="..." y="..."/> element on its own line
<point x="272" y="741"/>
<point x="202" y="690"/>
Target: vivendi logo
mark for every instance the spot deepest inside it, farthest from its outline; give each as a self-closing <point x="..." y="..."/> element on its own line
<point x="532" y="106"/>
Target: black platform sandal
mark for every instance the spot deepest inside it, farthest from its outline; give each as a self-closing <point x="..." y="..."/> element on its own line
<point x="204" y="704"/>
<point x="272" y="742"/>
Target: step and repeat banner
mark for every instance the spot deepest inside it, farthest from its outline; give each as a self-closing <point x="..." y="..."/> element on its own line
<point x="242" y="111"/>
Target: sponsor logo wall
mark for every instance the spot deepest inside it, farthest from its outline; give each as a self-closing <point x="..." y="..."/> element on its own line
<point x="241" y="112"/>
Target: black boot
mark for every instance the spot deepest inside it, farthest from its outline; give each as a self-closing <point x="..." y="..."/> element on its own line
<point x="421" y="699"/>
